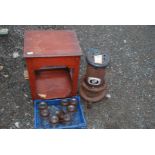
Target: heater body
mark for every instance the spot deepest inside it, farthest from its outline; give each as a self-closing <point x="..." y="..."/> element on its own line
<point x="93" y="87"/>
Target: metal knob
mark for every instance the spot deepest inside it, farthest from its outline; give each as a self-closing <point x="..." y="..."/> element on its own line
<point x="54" y="119"/>
<point x="73" y="101"/>
<point x="67" y="117"/>
<point x="71" y="108"/>
<point x="43" y="105"/>
<point x="44" y="113"/>
<point x="64" y="102"/>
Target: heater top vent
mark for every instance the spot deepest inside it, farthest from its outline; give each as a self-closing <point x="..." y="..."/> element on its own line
<point x="97" y="59"/>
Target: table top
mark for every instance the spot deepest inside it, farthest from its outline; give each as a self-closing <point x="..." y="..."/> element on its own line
<point x="51" y="43"/>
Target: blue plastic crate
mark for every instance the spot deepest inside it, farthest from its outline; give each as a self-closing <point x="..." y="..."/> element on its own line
<point x="78" y="119"/>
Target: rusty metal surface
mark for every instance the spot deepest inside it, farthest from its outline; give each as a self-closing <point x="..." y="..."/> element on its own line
<point x="91" y="94"/>
<point x="51" y="43"/>
<point x="94" y="72"/>
<point x="93" y="87"/>
<point x="92" y="97"/>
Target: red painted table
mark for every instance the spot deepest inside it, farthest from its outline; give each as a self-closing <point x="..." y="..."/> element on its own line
<point x="53" y="59"/>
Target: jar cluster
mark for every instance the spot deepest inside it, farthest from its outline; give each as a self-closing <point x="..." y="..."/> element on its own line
<point x="54" y="114"/>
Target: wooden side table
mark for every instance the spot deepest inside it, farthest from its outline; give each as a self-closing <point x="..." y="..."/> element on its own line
<point x="53" y="60"/>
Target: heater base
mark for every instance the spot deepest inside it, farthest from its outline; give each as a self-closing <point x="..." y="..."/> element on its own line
<point x="92" y="94"/>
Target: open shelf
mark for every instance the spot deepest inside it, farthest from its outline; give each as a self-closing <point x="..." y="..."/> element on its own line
<point x="53" y="83"/>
